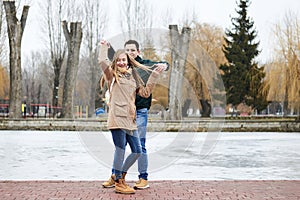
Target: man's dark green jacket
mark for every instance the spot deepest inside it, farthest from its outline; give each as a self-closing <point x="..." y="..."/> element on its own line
<point x="141" y="102"/>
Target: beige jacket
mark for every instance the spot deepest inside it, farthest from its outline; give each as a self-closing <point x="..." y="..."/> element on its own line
<point x="122" y="110"/>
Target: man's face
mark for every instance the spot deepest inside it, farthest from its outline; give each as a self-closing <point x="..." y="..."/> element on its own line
<point x="132" y="50"/>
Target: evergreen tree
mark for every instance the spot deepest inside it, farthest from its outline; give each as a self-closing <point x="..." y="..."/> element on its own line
<point x="241" y="75"/>
<point x="256" y="98"/>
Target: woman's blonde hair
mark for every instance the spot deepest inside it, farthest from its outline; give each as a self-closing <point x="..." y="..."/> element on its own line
<point x="132" y="63"/>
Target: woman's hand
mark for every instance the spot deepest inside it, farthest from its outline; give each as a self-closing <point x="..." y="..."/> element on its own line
<point x="104" y="46"/>
<point x="103" y="42"/>
<point x="160" y="68"/>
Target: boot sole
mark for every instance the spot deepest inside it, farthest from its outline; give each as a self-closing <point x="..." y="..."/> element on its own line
<point x="121" y="192"/>
<point x="108" y="186"/>
<point x="141" y="188"/>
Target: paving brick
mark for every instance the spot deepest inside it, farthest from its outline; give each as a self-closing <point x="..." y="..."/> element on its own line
<point x="181" y="189"/>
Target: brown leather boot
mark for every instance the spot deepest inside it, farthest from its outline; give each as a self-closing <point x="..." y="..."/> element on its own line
<point x="110" y="183"/>
<point x="123" y="188"/>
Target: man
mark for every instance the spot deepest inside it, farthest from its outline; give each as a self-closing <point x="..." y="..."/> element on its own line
<point x="142" y="107"/>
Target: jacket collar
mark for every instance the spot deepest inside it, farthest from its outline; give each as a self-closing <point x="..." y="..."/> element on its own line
<point x="139" y="59"/>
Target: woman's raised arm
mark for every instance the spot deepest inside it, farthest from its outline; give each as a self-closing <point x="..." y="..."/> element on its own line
<point x="104" y="61"/>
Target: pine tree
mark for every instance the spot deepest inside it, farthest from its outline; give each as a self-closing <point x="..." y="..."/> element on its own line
<point x="241" y="75"/>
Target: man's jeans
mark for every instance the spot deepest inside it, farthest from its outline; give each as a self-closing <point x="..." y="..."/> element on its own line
<point x="141" y="121"/>
<point x="120" y="138"/>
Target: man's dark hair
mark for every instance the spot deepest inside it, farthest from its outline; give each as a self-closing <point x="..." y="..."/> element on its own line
<point x="133" y="42"/>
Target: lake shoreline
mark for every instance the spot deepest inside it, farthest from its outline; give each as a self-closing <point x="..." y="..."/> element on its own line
<point x="185" y="125"/>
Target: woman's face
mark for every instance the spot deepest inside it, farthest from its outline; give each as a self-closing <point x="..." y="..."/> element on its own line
<point x="122" y="60"/>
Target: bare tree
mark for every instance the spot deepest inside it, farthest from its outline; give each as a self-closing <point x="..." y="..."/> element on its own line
<point x="138" y="20"/>
<point x="179" y="51"/>
<point x="73" y="38"/>
<point x="29" y="78"/>
<point x="209" y="39"/>
<point x="44" y="77"/>
<point x="33" y="76"/>
<point x="283" y="74"/>
<point x="53" y="16"/>
<point x="95" y="22"/>
<point x="1" y="16"/>
<point x="15" y="29"/>
<point x="4" y="81"/>
<point x="3" y="46"/>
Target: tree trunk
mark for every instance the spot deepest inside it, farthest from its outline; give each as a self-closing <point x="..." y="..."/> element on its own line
<point x="206" y="108"/>
<point x="56" y="85"/>
<point x="94" y="82"/>
<point x="15" y="29"/>
<point x="179" y="51"/>
<point x="73" y="38"/>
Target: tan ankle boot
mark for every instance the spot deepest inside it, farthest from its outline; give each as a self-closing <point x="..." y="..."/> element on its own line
<point x="110" y="183"/>
<point x="123" y="188"/>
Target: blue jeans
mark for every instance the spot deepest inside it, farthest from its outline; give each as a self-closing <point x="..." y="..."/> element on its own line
<point x="141" y="121"/>
<point x="121" y="137"/>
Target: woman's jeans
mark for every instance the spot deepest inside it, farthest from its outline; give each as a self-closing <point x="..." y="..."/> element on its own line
<point x="141" y="121"/>
<point x="120" y="138"/>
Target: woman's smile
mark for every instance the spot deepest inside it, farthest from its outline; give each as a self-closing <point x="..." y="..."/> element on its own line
<point x="122" y="60"/>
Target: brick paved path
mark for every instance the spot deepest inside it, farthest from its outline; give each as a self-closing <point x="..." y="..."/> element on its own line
<point x="204" y="190"/>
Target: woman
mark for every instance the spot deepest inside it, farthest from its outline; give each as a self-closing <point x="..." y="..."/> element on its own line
<point x="124" y="83"/>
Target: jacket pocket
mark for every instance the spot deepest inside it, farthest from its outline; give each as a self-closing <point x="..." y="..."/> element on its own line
<point x="121" y="109"/>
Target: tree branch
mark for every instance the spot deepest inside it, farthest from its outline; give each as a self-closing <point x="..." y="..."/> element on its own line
<point x="66" y="31"/>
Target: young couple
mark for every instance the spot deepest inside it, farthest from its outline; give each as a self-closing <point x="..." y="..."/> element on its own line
<point x="131" y="81"/>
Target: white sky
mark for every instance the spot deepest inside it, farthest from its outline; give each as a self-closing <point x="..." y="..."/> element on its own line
<point x="265" y="13"/>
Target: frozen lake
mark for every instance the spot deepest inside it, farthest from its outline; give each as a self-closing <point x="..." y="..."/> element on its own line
<point x="47" y="155"/>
